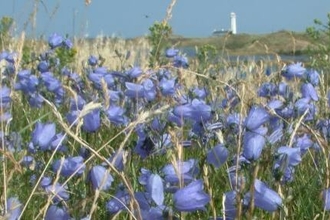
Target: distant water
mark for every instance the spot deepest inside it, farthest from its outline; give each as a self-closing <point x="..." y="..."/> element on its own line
<point x="191" y="52"/>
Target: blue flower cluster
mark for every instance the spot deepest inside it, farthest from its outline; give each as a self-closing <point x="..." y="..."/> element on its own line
<point x="216" y="127"/>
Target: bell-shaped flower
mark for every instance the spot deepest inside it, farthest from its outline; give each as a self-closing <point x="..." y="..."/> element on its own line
<point x="67" y="43"/>
<point x="197" y="110"/>
<point x="275" y="136"/>
<point x="145" y="145"/>
<point x="14" y="208"/>
<point x="284" y="91"/>
<point x="180" y="62"/>
<point x="134" y="72"/>
<point x="43" y="135"/>
<point x="119" y="202"/>
<point x="100" y="177"/>
<point x="55" y="212"/>
<point x="58" y="192"/>
<point x="326" y="199"/>
<point x="282" y="171"/>
<point x="149" y="89"/>
<point x="77" y="103"/>
<point x="286" y="112"/>
<point x="109" y="80"/>
<point x="4" y="97"/>
<point x="11" y="57"/>
<point x="264" y="197"/>
<point x="96" y="78"/>
<point x="191" y="198"/>
<point x="116" y="115"/>
<point x="308" y="91"/>
<point x="92" y="121"/>
<point x="303" y="143"/>
<point x="27" y="161"/>
<point x="46" y="181"/>
<point x="275" y="104"/>
<point x="302" y="105"/>
<point x="253" y="144"/>
<point x="171" y="52"/>
<point x="55" y="40"/>
<point x="324" y="127"/>
<point x="313" y="77"/>
<point x="134" y="90"/>
<point x="267" y="90"/>
<point x="144" y="177"/>
<point x="43" y="66"/>
<point x="229" y="205"/>
<point x="167" y="86"/>
<point x="292" y="155"/>
<point x="217" y="155"/>
<point x="114" y="96"/>
<point x="26" y="82"/>
<point x="118" y="160"/>
<point x="36" y="100"/>
<point x="200" y="93"/>
<point x="92" y="60"/>
<point x="294" y="70"/>
<point x="184" y="170"/>
<point x="52" y="84"/>
<point x="69" y="165"/>
<point x="237" y="180"/>
<point x="3" y="55"/>
<point x="155" y="188"/>
<point x="257" y="116"/>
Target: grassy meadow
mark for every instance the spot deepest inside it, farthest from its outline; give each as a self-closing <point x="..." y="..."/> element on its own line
<point x="91" y="130"/>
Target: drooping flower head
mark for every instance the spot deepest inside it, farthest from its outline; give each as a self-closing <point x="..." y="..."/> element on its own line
<point x="191" y="198"/>
<point x="70" y="165"/>
<point x="55" y="40"/>
<point x="294" y="70"/>
<point x="264" y="197"/>
<point x="55" y="212"/>
<point x="43" y="135"/>
<point x="217" y="155"/>
<point x="100" y="177"/>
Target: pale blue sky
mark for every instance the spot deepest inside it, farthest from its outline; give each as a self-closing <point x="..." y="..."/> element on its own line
<point x="191" y="18"/>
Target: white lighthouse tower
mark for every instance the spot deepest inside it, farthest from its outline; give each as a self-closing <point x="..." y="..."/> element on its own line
<point x="233" y="23"/>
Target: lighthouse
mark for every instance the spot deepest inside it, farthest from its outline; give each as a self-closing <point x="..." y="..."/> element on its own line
<point x="233" y="23"/>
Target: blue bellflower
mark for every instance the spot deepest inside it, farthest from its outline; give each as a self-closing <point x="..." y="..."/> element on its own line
<point x="100" y="177"/>
<point x="43" y="135"/>
<point x="294" y="70"/>
<point x="155" y="188"/>
<point x="70" y="165"/>
<point x="257" y="116"/>
<point x="308" y="91"/>
<point x="191" y="198"/>
<point x="92" y="60"/>
<point x="116" y="115"/>
<point x="326" y="199"/>
<point x="171" y="52"/>
<point x="185" y="170"/>
<point x="253" y="143"/>
<point x="14" y="208"/>
<point x="55" y="40"/>
<point x="134" y="72"/>
<point x="264" y="197"/>
<point x="57" y="213"/>
<point x="58" y="192"/>
<point x="217" y="155"/>
<point x="92" y="121"/>
<point x="118" y="203"/>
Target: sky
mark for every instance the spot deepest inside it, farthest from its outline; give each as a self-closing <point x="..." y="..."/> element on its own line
<point x="132" y="18"/>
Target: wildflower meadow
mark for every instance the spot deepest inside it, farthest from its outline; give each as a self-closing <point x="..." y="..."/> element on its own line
<point x="171" y="137"/>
